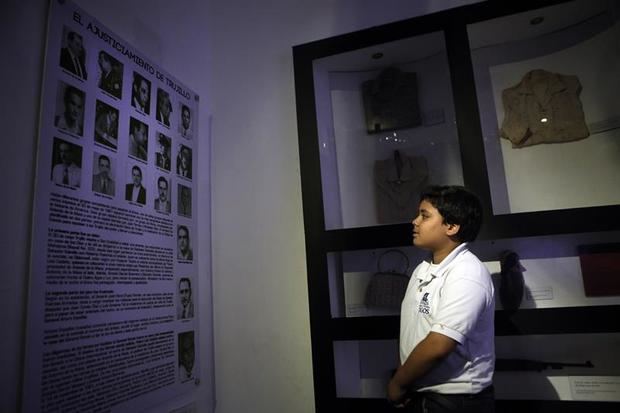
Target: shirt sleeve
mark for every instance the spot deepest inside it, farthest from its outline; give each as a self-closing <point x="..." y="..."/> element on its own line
<point x="461" y="302"/>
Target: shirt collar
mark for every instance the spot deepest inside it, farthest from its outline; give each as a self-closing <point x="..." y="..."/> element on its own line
<point x="438" y="271"/>
<point x="541" y="82"/>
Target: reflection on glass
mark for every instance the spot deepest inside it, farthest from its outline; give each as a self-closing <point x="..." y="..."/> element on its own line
<point x="583" y="361"/>
<point x="369" y="283"/>
<point x="547" y="84"/>
<point x="364" y="368"/>
<point x="386" y="129"/>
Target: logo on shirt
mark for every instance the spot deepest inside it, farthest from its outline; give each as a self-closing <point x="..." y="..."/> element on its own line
<point x="424" y="307"/>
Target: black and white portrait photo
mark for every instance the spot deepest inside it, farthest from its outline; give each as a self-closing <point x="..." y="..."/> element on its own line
<point x="110" y="74"/>
<point x="187" y="356"/>
<point x="141" y="93"/>
<point x="106" y="125"/>
<point x="103" y="177"/>
<point x="184" y="162"/>
<point x="164" y="107"/>
<point x="162" y="202"/>
<point x="184" y="244"/>
<point x="66" y="163"/>
<point x="162" y="156"/>
<point x="72" y="53"/>
<point x="185" y="124"/>
<point x="135" y="191"/>
<point x="184" y="201"/>
<point x="70" y="109"/>
<point x="185" y="308"/>
<point x="138" y="139"/>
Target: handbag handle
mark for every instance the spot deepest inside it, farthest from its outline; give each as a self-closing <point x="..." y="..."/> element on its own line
<point x="381" y="261"/>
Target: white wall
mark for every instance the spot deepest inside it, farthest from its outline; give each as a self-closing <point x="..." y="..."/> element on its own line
<point x="237" y="55"/>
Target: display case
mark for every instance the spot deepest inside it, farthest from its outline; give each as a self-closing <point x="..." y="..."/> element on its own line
<point x="385" y="116"/>
<point x="385" y="111"/>
<point x="546" y="84"/>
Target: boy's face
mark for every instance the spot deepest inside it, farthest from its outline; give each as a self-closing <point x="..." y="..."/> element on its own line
<point x="429" y="230"/>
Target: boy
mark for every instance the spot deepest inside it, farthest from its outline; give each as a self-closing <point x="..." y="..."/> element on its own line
<point x="446" y="330"/>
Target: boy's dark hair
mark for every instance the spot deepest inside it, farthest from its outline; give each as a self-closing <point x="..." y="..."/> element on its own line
<point x="457" y="206"/>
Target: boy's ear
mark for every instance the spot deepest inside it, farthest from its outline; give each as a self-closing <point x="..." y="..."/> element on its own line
<point x="453" y="229"/>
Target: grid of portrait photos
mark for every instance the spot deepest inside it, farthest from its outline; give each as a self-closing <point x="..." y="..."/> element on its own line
<point x="131" y="121"/>
<point x="125" y="136"/>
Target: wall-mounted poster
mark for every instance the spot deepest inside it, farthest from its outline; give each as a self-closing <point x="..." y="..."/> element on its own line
<point x="111" y="322"/>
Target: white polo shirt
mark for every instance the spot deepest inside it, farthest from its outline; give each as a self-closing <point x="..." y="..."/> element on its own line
<point x="454" y="298"/>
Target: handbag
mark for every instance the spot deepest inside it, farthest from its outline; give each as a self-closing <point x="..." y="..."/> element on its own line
<point x="387" y="287"/>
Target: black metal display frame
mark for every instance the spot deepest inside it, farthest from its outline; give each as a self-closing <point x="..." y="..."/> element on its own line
<point x="319" y="242"/>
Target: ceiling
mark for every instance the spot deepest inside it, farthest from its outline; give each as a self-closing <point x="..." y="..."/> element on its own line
<point x="501" y="30"/>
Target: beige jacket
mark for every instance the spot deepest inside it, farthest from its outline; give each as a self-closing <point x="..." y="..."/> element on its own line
<point x="398" y="187"/>
<point x="543" y="108"/>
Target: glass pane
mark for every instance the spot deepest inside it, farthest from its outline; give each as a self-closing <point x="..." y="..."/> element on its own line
<point x="363" y="368"/>
<point x="585" y="367"/>
<point x="387" y="128"/>
<point x="367" y="283"/>
<point x="547" y="84"/>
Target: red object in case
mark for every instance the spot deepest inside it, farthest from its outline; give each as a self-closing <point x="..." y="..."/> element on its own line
<point x="600" y="269"/>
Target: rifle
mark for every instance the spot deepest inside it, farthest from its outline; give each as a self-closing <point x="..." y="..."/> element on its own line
<point x="534" y="365"/>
